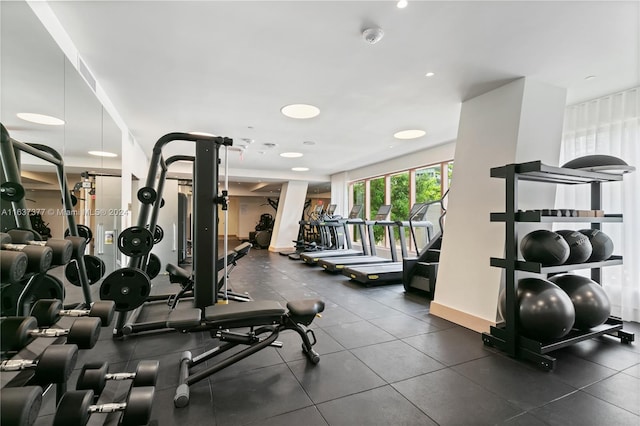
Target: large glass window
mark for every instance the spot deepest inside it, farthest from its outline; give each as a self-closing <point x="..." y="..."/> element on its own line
<point x="358" y="198"/>
<point x="377" y="197"/>
<point x="428" y="184"/>
<point x="400" y="201"/>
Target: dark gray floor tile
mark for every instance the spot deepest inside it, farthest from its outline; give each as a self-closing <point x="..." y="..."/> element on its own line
<point x="110" y="350"/>
<point x="578" y="372"/>
<point x="621" y="390"/>
<point x="356" y="334"/>
<point x="292" y="349"/>
<point x="264" y="358"/>
<point x="377" y="407"/>
<point x="199" y="412"/>
<point x="258" y="394"/>
<point x="309" y="416"/>
<point x="403" y="325"/>
<point x="451" y="346"/>
<point x="525" y="419"/>
<point x="606" y="351"/>
<point x="514" y="381"/>
<point x="370" y="309"/>
<point x="152" y="345"/>
<point x="442" y="324"/>
<point x="582" y="409"/>
<point x="633" y="371"/>
<point x="333" y="315"/>
<point x="451" y="399"/>
<point x="338" y="374"/>
<point x="396" y="360"/>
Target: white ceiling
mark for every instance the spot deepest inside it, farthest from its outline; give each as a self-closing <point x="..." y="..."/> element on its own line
<point x="228" y="67"/>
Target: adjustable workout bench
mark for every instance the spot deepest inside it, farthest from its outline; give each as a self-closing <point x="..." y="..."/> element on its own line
<point x="184" y="278"/>
<point x="262" y="317"/>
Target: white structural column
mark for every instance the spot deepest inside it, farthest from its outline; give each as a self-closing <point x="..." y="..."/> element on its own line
<point x="518" y="122"/>
<point x="340" y="193"/>
<point x="290" y="206"/>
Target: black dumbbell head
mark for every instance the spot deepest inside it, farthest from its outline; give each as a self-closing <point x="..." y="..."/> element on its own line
<point x="139" y="403"/>
<point x="104" y="309"/>
<point x="84" y="332"/>
<point x="56" y="364"/>
<point x="20" y="405"/>
<point x="46" y="311"/>
<point x="146" y="373"/>
<point x="93" y="377"/>
<point x="15" y="332"/>
<point x="73" y="408"/>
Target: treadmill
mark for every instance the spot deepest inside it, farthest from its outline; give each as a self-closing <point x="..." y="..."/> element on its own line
<point x="392" y="272"/>
<point x="336" y="264"/>
<point x="312" y="257"/>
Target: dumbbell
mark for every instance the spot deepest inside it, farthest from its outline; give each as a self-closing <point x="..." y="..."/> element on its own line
<point x="54" y="365"/>
<point x="94" y="376"/>
<point x="20" y="406"/>
<point x="62" y="249"/>
<point x="38" y="258"/>
<point x="76" y="407"/>
<point x="13" y="266"/>
<point x="48" y="311"/>
<point x="17" y="332"/>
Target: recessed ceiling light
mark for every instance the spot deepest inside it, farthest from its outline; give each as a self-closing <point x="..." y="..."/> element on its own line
<point x="202" y="134"/>
<point x="430" y="74"/>
<point x="40" y="119"/>
<point x="291" y="154"/>
<point x="402" y="4"/>
<point x="300" y="169"/>
<point x="270" y="144"/>
<point x="590" y="77"/>
<point x="409" y="134"/>
<point x="248" y="140"/>
<point x="300" y="111"/>
<point x="308" y="143"/>
<point x="103" y="154"/>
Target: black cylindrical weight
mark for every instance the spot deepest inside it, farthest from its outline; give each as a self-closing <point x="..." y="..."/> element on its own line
<point x="46" y="311"/>
<point x="15" y="332"/>
<point x="73" y="409"/>
<point x="84" y="332"/>
<point x="79" y="244"/>
<point x="5" y="238"/>
<point x="105" y="310"/>
<point x="154" y="266"/>
<point x="62" y="250"/>
<point x="13" y="266"/>
<point x="38" y="258"/>
<point x="20" y="406"/>
<point x="93" y="377"/>
<point x="83" y="231"/>
<point x="139" y="403"/>
<point x="146" y="373"/>
<point x="56" y="364"/>
<point x="21" y="236"/>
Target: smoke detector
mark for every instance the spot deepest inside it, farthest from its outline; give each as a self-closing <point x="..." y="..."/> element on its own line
<point x="372" y="35"/>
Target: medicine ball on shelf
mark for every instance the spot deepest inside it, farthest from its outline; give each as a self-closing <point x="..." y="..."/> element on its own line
<point x="579" y="246"/>
<point x="589" y="299"/>
<point x="546" y="311"/>
<point x="545" y="247"/>
<point x="601" y="243"/>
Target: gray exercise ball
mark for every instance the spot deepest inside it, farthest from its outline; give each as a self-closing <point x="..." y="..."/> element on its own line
<point x="589" y="299"/>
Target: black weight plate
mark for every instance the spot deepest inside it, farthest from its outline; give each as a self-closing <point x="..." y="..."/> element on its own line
<point x="13" y="266"/>
<point x="135" y="241"/>
<point x="154" y="266"/>
<point x="95" y="270"/>
<point x="15" y="332"/>
<point x="104" y="310"/>
<point x="127" y="287"/>
<point x="158" y="234"/>
<point x="46" y="311"/>
<point x="84" y="332"/>
<point x="147" y="195"/>
<point x="11" y="191"/>
<point x="73" y="408"/>
<point x="20" y="406"/>
<point x="62" y="250"/>
<point x="45" y="286"/>
<point x="146" y="373"/>
<point x="79" y="246"/>
<point x="139" y="403"/>
<point x="93" y="377"/>
<point x="56" y="364"/>
<point x="83" y="231"/>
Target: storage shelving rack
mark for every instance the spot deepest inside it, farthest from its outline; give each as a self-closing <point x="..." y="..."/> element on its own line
<point x="506" y="336"/>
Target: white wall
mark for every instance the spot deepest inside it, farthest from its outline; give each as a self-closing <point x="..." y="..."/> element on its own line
<point x="518" y="122"/>
<point x="248" y="211"/>
<point x="290" y="207"/>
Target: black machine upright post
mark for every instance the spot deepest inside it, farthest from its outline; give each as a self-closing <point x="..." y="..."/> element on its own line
<point x="11" y="172"/>
<point x="205" y="235"/>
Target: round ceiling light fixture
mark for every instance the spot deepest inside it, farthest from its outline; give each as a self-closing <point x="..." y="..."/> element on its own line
<point x="430" y="74"/>
<point x="300" y="111"/>
<point x="103" y="154"/>
<point x="40" y="119"/>
<point x="409" y="134"/>
<point x="291" y="154"/>
<point x="372" y="35"/>
<point x="300" y="169"/>
<point x="402" y="4"/>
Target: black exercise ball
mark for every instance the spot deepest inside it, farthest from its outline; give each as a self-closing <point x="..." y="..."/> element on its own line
<point x="546" y="311"/>
<point x="544" y="247"/>
<point x="579" y="246"/>
<point x="589" y="299"/>
<point x="601" y="243"/>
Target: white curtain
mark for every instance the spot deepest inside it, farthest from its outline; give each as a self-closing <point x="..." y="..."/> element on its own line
<point x="611" y="126"/>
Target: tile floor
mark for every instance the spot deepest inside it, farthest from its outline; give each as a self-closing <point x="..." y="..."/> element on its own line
<point x="384" y="361"/>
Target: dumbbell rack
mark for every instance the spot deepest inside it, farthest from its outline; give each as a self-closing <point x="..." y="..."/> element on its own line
<point x="506" y="336"/>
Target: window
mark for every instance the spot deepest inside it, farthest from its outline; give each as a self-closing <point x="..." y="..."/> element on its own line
<point x="376" y="199"/>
